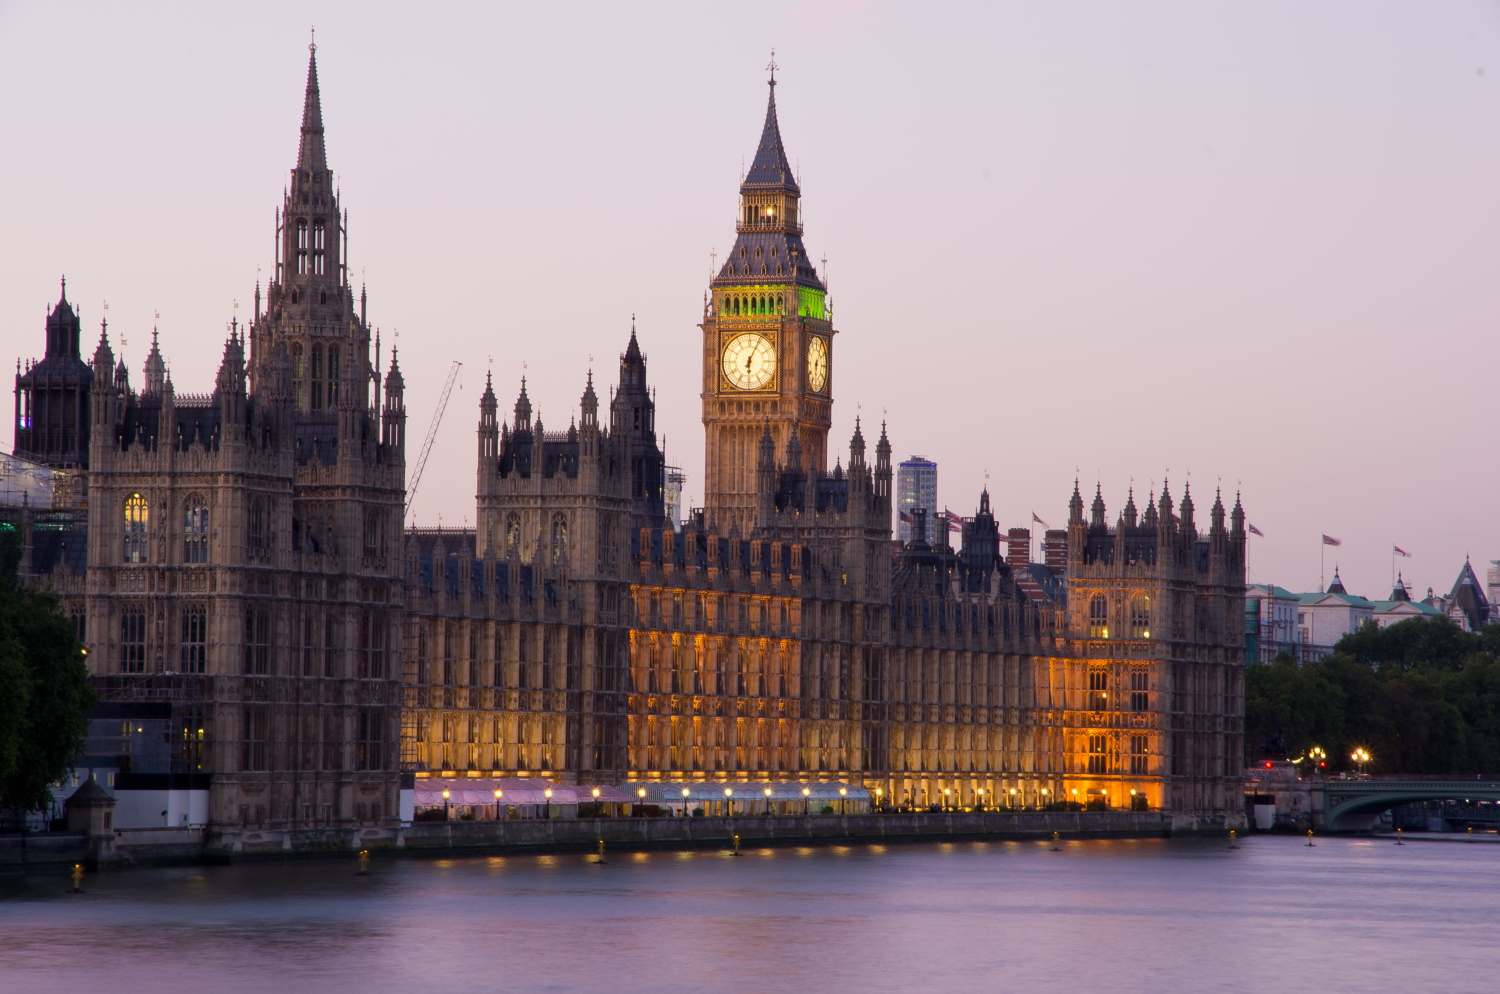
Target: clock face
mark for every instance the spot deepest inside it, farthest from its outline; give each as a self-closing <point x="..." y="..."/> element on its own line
<point x="817" y="364"/>
<point x="749" y="361"/>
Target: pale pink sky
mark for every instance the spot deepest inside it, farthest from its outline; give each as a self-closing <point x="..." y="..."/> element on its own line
<point x="1255" y="241"/>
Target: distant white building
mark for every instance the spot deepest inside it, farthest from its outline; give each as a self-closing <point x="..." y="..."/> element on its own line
<point x="1400" y="607"/>
<point x="1324" y="618"/>
<point x="916" y="486"/>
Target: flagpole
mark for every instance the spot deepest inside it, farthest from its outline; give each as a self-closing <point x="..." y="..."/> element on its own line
<point x="1321" y="553"/>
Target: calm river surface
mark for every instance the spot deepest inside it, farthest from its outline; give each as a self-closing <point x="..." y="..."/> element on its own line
<point x="1157" y="915"/>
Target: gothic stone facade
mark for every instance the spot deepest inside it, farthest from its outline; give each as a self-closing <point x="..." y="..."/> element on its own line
<point x="245" y="563"/>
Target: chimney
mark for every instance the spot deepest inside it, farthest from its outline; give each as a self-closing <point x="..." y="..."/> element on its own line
<point x="1018" y="547"/>
<point x="1055" y="551"/>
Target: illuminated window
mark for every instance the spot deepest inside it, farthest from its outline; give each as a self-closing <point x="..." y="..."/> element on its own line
<point x="1098" y="617"/>
<point x="512" y="534"/>
<point x="136" y="519"/>
<point x="1140" y="617"/>
<point x="1098" y="689"/>
<point x="1140" y="757"/>
<point x="1098" y="754"/>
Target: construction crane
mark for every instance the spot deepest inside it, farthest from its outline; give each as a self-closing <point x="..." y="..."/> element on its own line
<point x="437" y="419"/>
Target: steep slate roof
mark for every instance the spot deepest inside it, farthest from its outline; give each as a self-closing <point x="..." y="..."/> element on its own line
<point x="770" y="169"/>
<point x="1469" y="596"/>
<point x="311" y="154"/>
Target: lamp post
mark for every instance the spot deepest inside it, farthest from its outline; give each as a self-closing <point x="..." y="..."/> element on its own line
<point x="596" y="807"/>
<point x="498" y="792"/>
<point x="548" y="795"/>
<point x="1075" y="795"/>
<point x="844" y="800"/>
<point x="1318" y="758"/>
<point x="1013" y="798"/>
<point x="1044" y="797"/>
<point x="980" y="803"/>
<point x="879" y="799"/>
<point x="945" y="798"/>
<point x="642" y="795"/>
<point x="1132" y="799"/>
<point x="768" y="802"/>
<point x="684" y="802"/>
<point x="445" y="804"/>
<point x="1360" y="757"/>
<point x="806" y="802"/>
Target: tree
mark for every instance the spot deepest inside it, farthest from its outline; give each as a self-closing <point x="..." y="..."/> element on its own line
<point x="45" y="698"/>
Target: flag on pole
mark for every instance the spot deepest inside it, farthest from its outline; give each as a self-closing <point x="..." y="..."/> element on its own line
<point x="1256" y="531"/>
<point x="955" y="523"/>
<point x="1330" y="540"/>
<point x="1039" y="520"/>
<point x="1400" y="551"/>
<point x="905" y="516"/>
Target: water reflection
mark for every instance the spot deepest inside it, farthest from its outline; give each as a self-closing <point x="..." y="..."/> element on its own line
<point x="1142" y="915"/>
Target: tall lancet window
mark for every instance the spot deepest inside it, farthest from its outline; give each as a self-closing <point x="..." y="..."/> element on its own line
<point x="317" y="378"/>
<point x="135" y="529"/>
<point x="299" y="388"/>
<point x="333" y="376"/>
<point x="301" y="247"/>
<point x="317" y="248"/>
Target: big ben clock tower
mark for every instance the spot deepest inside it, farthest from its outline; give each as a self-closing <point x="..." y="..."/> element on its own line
<point x="767" y="341"/>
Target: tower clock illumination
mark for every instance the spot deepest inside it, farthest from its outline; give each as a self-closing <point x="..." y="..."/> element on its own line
<point x="749" y="361"/>
<point x="817" y="364"/>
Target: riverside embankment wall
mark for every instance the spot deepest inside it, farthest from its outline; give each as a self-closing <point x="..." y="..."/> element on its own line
<point x="137" y="847"/>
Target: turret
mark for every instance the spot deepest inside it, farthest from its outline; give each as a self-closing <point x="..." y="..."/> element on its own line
<point x="522" y="420"/>
<point x="155" y="371"/>
<point x="765" y="478"/>
<point x="883" y="472"/>
<point x="230" y="388"/>
<point x="393" y="417"/>
<point x="489" y="426"/>
<point x="1096" y="512"/>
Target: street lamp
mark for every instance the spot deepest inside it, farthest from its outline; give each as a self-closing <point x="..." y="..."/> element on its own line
<point x="768" y="802"/>
<point x="879" y="802"/>
<point x="1360" y="757"/>
<point x="548" y="795"/>
<point x="1013" y="798"/>
<point x="642" y="795"/>
<point x="1044" y="797"/>
<point x="497" y="803"/>
<point x="843" y="800"/>
<point x="445" y="804"/>
<point x="684" y="802"/>
<point x="806" y="802"/>
<point x="1319" y="759"/>
<point x="729" y="801"/>
<point x="945" y="798"/>
<point x="595" y="792"/>
<point x="1075" y="795"/>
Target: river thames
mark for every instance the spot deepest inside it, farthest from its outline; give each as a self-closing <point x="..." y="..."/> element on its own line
<point x="1148" y="915"/>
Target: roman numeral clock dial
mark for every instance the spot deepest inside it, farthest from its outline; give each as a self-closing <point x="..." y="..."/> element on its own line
<point x="817" y="364"/>
<point x="749" y="361"/>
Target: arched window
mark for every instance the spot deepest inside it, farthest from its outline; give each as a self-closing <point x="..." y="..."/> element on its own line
<point x="333" y="376"/>
<point x="1140" y="617"/>
<point x="136" y="515"/>
<point x="513" y="535"/>
<point x="298" y="387"/>
<point x="301" y="246"/>
<point x="559" y="540"/>
<point x="133" y="640"/>
<point x="195" y="532"/>
<point x="258" y="534"/>
<point x="194" y="639"/>
<point x="1098" y="617"/>
<point x="317" y="378"/>
<point x="736" y="306"/>
<point x="317" y="264"/>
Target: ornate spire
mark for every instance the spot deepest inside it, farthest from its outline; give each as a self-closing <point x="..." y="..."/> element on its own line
<point x="1096" y="512"/>
<point x="523" y="409"/>
<point x="770" y="169"/>
<point x="311" y="154"/>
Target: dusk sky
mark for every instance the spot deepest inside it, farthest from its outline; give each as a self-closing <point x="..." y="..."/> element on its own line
<point x="1248" y="242"/>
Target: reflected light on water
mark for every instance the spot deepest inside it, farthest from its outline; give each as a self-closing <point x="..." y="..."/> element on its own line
<point x="1139" y="915"/>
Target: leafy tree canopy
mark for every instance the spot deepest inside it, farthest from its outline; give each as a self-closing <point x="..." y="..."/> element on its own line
<point x="44" y="693"/>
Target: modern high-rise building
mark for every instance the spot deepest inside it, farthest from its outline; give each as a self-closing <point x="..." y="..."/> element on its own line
<point x="916" y="486"/>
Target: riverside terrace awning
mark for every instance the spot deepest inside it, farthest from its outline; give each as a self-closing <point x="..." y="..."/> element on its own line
<point x="464" y="791"/>
<point x="749" y="797"/>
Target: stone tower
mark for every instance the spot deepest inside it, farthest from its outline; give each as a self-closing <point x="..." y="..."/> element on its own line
<point x="767" y="341"/>
<point x="52" y="396"/>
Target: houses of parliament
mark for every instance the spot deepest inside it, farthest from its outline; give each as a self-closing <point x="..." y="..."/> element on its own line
<point x="238" y="556"/>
